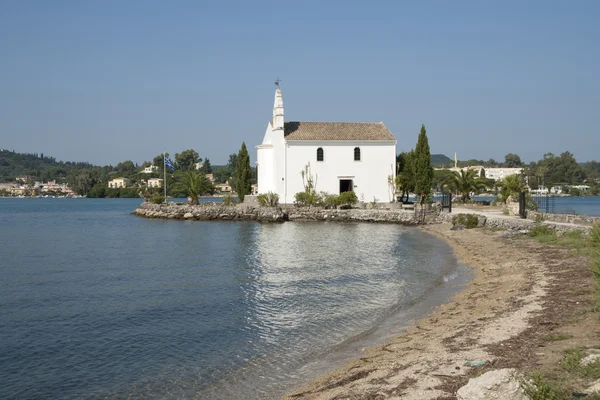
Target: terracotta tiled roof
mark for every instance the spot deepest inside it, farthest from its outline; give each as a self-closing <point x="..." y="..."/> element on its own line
<point x="337" y="131"/>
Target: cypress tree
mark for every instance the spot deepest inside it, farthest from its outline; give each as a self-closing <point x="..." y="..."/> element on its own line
<point x="243" y="173"/>
<point x="422" y="160"/>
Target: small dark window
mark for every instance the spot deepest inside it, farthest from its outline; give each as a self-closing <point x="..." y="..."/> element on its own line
<point x="357" y="154"/>
<point x="320" y="154"/>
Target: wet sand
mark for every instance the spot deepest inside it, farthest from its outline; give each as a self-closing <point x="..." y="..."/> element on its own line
<point x="521" y="290"/>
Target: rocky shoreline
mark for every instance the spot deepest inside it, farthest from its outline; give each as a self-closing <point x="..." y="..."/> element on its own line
<point x="241" y="212"/>
<point x="254" y="212"/>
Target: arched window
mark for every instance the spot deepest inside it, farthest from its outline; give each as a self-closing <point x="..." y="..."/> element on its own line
<point x="320" y="154"/>
<point x="357" y="154"/>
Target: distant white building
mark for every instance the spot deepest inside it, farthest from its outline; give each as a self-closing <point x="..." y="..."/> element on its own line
<point x="149" y="170"/>
<point x="155" y="183"/>
<point x="343" y="156"/>
<point x="118" y="183"/>
<point x="496" y="174"/>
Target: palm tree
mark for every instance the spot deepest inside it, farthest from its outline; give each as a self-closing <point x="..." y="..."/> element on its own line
<point x="193" y="184"/>
<point x="512" y="185"/>
<point x="465" y="182"/>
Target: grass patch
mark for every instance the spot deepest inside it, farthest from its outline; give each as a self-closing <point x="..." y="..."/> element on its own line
<point x="556" y="337"/>
<point x="571" y="361"/>
<point x="539" y="387"/>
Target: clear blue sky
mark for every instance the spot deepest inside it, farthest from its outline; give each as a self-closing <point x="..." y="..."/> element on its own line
<point x="105" y="81"/>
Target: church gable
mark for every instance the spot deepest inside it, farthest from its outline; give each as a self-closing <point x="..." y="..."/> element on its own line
<point x="337" y="131"/>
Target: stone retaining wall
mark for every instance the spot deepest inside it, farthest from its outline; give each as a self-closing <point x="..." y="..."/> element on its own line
<point x="245" y="212"/>
<point x="564" y="218"/>
<point x="517" y="224"/>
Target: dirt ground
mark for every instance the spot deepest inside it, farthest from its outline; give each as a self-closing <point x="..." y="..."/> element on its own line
<point x="523" y="293"/>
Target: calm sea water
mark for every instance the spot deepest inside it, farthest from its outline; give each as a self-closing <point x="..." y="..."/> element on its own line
<point x="581" y="205"/>
<point x="96" y="303"/>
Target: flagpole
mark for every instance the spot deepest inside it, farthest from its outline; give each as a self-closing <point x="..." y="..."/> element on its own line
<point x="165" y="168"/>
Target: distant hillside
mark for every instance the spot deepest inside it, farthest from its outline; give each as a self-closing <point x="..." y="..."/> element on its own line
<point x="440" y="160"/>
<point x="14" y="164"/>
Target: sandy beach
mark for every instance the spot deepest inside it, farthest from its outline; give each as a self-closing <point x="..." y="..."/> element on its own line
<point x="522" y="292"/>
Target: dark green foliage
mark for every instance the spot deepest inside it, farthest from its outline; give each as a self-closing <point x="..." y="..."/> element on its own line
<point x="122" y="193"/>
<point x="157" y="199"/>
<point x="422" y="165"/>
<point x="193" y="184"/>
<point x="125" y="168"/>
<point x="243" y="182"/>
<point x="186" y="160"/>
<point x="512" y="160"/>
<point x="511" y="186"/>
<point x="465" y="182"/>
<point x="441" y="160"/>
<point x="98" y="191"/>
<point x="159" y="161"/>
<point x="268" y="199"/>
<point x="232" y="163"/>
<point x="206" y="167"/>
<point x="405" y="174"/>
<point x="469" y="221"/>
<point x="14" y="164"/>
<point x="347" y="198"/>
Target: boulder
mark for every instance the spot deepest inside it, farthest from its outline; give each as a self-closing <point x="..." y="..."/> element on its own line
<point x="493" y="385"/>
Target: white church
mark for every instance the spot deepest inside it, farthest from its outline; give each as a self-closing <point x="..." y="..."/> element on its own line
<point x="343" y="156"/>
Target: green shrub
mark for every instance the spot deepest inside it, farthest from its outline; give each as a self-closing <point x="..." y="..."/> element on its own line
<point x="540" y="230"/>
<point x="538" y="387"/>
<point x="467" y="220"/>
<point x="330" y="200"/>
<point x="309" y="198"/>
<point x="348" y="198"/>
<point x="269" y="199"/>
<point x="228" y="200"/>
<point x="157" y="199"/>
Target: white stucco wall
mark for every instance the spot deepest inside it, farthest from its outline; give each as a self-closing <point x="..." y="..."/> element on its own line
<point x="369" y="175"/>
<point x="271" y="162"/>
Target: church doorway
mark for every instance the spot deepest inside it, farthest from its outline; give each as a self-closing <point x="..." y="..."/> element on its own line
<point x="346" y="185"/>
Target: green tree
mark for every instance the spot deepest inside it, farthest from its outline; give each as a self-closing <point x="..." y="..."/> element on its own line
<point x="159" y="161"/>
<point x="81" y="181"/>
<point x="405" y="174"/>
<point x="512" y="160"/>
<point x="482" y="173"/>
<point x="206" y="167"/>
<point x="511" y="186"/>
<point x="125" y="168"/>
<point x="187" y="160"/>
<point x="232" y="163"/>
<point x="465" y="182"/>
<point x="422" y="165"/>
<point x="193" y="184"/>
<point x="243" y="174"/>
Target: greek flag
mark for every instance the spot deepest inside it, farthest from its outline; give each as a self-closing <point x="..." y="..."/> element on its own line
<point x="169" y="164"/>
